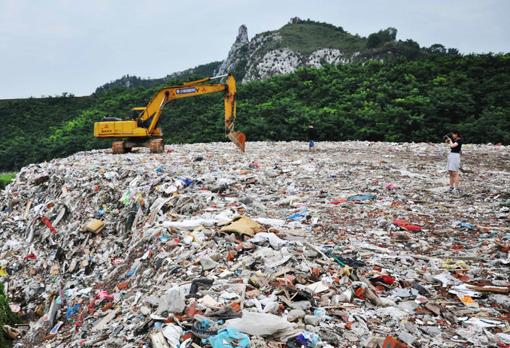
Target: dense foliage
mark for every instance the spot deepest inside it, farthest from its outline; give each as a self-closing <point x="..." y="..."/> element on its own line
<point x="400" y="100"/>
<point x="6" y="318"/>
<point x="382" y="36"/>
<point x="306" y="37"/>
<point x="411" y="100"/>
<point x="129" y="81"/>
<point x="26" y="123"/>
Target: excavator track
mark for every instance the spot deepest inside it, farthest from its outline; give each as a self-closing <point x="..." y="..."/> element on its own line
<point x="156" y="145"/>
<point x="118" y="147"/>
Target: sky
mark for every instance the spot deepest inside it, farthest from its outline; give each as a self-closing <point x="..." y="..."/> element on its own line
<point x="48" y="47"/>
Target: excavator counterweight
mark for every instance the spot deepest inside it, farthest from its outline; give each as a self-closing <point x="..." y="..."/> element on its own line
<point x="143" y="130"/>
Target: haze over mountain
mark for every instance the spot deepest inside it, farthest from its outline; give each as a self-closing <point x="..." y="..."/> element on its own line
<point x="51" y="47"/>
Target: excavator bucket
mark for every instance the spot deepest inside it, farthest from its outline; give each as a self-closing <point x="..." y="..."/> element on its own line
<point x="238" y="138"/>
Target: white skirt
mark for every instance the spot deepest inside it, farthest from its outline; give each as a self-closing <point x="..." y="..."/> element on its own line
<point x="453" y="162"/>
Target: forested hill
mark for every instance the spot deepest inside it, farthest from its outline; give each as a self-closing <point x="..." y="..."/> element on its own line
<point x="398" y="100"/>
<point x="128" y="81"/>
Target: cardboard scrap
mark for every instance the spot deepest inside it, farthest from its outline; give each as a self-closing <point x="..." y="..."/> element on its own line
<point x="243" y="225"/>
<point x="94" y="226"/>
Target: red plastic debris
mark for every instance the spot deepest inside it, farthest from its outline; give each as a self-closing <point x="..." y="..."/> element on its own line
<point x="391" y="342"/>
<point x="186" y="336"/>
<point x="386" y="279"/>
<point x="123" y="285"/>
<point x="236" y="306"/>
<point x="360" y="293"/>
<point x="461" y="276"/>
<point x="315" y="273"/>
<point x="31" y="256"/>
<point x="192" y="310"/>
<point x="91" y="305"/>
<point x="406" y="225"/>
<point x="231" y="255"/>
<point x="48" y="224"/>
<point x="457" y="247"/>
<point x="504" y="248"/>
<point x="78" y="321"/>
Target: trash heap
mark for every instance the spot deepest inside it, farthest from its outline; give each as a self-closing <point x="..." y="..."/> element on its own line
<point x="356" y="244"/>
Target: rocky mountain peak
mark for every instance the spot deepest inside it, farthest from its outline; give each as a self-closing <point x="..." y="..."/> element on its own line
<point x="236" y="51"/>
<point x="271" y="53"/>
<point x="307" y="43"/>
<point x="242" y="37"/>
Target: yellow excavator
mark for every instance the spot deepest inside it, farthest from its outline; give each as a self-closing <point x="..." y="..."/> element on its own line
<point x="143" y="129"/>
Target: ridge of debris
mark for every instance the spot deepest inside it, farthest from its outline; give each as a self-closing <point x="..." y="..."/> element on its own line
<point x="355" y="244"/>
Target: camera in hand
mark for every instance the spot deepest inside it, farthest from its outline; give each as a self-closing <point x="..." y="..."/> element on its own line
<point x="447" y="136"/>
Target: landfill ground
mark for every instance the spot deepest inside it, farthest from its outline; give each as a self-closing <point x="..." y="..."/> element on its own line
<point x="351" y="245"/>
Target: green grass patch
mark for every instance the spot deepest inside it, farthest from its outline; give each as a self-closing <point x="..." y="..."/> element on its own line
<point x="6" y="178"/>
<point x="306" y="38"/>
<point x="6" y="318"/>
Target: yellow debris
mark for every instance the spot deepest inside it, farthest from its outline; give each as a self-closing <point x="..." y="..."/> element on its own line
<point x="243" y="225"/>
<point x="94" y="226"/>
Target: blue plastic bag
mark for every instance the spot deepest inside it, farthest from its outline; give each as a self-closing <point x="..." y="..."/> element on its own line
<point x="72" y="310"/>
<point x="297" y="216"/>
<point x="226" y="338"/>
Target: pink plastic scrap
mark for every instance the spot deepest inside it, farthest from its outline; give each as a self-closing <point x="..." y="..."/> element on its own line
<point x="104" y="295"/>
<point x="390" y="186"/>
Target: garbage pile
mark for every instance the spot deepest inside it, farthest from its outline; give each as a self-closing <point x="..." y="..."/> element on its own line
<point x="356" y="244"/>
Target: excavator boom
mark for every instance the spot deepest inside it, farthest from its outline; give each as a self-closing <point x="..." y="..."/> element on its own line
<point x="145" y="126"/>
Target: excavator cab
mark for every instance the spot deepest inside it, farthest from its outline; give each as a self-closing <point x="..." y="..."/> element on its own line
<point x="135" y="112"/>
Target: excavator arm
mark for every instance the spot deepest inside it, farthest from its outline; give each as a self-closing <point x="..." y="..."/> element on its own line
<point x="146" y="124"/>
<point x="154" y="108"/>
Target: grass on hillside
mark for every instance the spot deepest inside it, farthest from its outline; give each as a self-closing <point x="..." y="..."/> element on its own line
<point x="5" y="179"/>
<point x="306" y="38"/>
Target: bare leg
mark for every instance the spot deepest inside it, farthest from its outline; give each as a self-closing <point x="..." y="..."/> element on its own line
<point x="457" y="179"/>
<point x="452" y="178"/>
